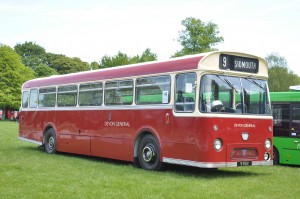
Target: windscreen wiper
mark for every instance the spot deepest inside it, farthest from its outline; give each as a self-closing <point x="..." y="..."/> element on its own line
<point x="230" y="84"/>
<point x="256" y="83"/>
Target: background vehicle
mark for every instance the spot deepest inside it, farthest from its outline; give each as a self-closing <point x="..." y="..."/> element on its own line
<point x="208" y="110"/>
<point x="286" y="125"/>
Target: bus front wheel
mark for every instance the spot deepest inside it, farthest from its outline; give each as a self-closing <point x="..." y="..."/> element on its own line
<point x="50" y="142"/>
<point x="275" y="156"/>
<point x="149" y="153"/>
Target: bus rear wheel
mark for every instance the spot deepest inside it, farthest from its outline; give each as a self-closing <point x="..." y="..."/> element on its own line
<point x="50" y="142"/>
<point x="149" y="153"/>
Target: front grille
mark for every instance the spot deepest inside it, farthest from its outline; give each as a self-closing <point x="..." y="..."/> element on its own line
<point x="244" y="153"/>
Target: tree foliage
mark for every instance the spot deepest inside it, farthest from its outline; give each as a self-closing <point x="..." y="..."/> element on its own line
<point x="64" y="65"/>
<point x="13" y="73"/>
<point x="46" y="64"/>
<point x="280" y="77"/>
<point x="32" y="54"/>
<point x="123" y="59"/>
<point x="197" y="37"/>
<point x="94" y="65"/>
<point x="43" y="70"/>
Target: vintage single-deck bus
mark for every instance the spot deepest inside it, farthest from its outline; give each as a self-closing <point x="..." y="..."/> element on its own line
<point x="286" y="125"/>
<point x="208" y="110"/>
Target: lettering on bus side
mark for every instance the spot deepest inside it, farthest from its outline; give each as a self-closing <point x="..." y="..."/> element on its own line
<point x="244" y="125"/>
<point x="116" y="124"/>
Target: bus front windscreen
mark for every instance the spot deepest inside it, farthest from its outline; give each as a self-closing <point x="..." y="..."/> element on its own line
<point x="237" y="95"/>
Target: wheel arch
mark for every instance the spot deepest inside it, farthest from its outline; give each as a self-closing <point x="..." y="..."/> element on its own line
<point x="47" y="127"/>
<point x="140" y="134"/>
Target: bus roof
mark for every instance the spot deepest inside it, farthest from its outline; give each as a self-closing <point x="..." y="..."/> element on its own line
<point x="285" y="96"/>
<point x="295" y="88"/>
<point x="204" y="61"/>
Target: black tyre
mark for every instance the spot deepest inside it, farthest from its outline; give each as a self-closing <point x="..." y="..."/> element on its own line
<point x="149" y="153"/>
<point x="275" y="156"/>
<point x="50" y="142"/>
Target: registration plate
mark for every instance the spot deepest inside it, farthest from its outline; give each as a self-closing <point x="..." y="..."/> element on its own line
<point x="245" y="163"/>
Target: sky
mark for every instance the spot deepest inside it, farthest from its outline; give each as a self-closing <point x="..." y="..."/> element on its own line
<point x="90" y="29"/>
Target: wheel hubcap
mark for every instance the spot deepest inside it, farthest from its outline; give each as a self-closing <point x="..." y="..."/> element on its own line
<point x="51" y="142"/>
<point x="148" y="153"/>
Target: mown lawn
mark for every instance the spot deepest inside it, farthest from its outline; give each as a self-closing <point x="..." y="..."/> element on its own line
<point x="27" y="172"/>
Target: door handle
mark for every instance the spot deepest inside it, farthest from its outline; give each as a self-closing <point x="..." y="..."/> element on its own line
<point x="295" y="141"/>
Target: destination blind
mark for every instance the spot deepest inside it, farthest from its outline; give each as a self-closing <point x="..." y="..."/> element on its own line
<point x="237" y="63"/>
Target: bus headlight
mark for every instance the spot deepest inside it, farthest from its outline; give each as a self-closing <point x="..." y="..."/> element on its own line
<point x="218" y="144"/>
<point x="268" y="144"/>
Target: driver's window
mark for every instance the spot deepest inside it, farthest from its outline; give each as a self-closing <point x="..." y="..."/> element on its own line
<point x="185" y="94"/>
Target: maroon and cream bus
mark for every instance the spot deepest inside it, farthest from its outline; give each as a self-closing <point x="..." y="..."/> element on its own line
<point x="208" y="110"/>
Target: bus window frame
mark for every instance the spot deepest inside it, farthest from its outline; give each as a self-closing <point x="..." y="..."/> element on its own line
<point x="116" y="88"/>
<point x="90" y="90"/>
<point x="37" y="98"/>
<point x="28" y="92"/>
<point x="136" y="86"/>
<point x="195" y="92"/>
<point x="41" y="88"/>
<point x="64" y="92"/>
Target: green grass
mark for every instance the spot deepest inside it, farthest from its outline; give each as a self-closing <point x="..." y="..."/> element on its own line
<point x="27" y="172"/>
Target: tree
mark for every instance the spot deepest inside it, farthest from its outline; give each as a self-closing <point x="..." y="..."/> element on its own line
<point x="123" y="59"/>
<point x="43" y="70"/>
<point x="64" y="65"/>
<point x="36" y="58"/>
<point x="280" y="77"/>
<point x="197" y="37"/>
<point x="13" y="73"/>
<point x="146" y="56"/>
<point x="32" y="54"/>
<point x="94" y="65"/>
<point x="117" y="60"/>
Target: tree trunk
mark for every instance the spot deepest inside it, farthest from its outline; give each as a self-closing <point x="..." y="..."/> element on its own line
<point x="3" y="113"/>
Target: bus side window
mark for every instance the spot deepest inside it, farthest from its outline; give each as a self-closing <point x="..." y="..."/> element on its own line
<point x="281" y="119"/>
<point x="25" y="99"/>
<point x="153" y="90"/>
<point x="295" y="128"/>
<point x="90" y="94"/>
<point x="47" y="97"/>
<point x="67" y="95"/>
<point x="33" y="99"/>
<point x="185" y="94"/>
<point x="119" y="92"/>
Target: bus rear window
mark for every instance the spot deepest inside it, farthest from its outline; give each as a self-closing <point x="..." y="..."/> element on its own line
<point x="25" y="99"/>
<point x="33" y="99"/>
